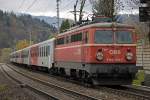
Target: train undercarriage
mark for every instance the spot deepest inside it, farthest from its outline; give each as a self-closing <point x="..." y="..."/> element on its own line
<point x="94" y="74"/>
<point x="99" y="74"/>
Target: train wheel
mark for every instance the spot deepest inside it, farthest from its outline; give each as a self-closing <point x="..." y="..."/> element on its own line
<point x="73" y="74"/>
<point x="62" y="72"/>
<point x="53" y="71"/>
<point x="87" y="79"/>
<point x="56" y="71"/>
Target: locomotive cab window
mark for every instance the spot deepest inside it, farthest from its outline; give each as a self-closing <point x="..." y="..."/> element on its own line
<point x="103" y="37"/>
<point x="123" y="37"/>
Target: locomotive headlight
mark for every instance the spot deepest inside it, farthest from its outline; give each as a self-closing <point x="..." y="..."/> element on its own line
<point x="99" y="56"/>
<point x="129" y="56"/>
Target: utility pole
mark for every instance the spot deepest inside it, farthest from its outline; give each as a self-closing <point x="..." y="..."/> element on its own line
<point x="75" y="12"/>
<point x="58" y="16"/>
<point x="148" y="3"/>
<point x="81" y="10"/>
<point x="30" y="38"/>
<point x="113" y="10"/>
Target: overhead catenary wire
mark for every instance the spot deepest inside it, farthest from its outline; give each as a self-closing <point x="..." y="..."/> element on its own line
<point x="88" y="4"/>
<point x="22" y="3"/>
<point x="31" y="5"/>
<point x="67" y="5"/>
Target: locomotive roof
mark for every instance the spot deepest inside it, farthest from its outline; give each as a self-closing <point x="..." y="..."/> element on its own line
<point x="96" y="25"/>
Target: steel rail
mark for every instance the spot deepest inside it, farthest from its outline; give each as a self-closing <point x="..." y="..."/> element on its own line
<point x="122" y="92"/>
<point x="86" y="97"/>
<point x="126" y="92"/>
<point x="36" y="90"/>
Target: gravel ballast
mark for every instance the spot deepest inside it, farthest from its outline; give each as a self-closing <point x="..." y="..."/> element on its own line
<point x="11" y="90"/>
<point x="89" y="91"/>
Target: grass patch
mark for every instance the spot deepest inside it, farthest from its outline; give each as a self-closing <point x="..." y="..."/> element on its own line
<point x="139" y="78"/>
<point x="3" y="88"/>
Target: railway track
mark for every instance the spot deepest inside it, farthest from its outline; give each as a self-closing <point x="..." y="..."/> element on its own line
<point x="124" y="91"/>
<point x="21" y="84"/>
<point x="127" y="92"/>
<point x="65" y="93"/>
<point x="139" y="90"/>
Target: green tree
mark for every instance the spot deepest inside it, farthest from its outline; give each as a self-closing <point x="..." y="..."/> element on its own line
<point x="14" y="28"/>
<point x="65" y="25"/>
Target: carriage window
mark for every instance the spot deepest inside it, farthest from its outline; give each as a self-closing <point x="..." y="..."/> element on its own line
<point x="45" y="51"/>
<point x="40" y="51"/>
<point x="76" y="37"/>
<point x="123" y="37"/>
<point x="105" y="37"/>
<point x="48" y="50"/>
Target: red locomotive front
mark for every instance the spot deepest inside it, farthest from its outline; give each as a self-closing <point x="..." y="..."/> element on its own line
<point x="111" y="46"/>
<point x="103" y="52"/>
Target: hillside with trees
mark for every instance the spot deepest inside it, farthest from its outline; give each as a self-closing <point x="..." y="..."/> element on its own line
<point x="14" y="28"/>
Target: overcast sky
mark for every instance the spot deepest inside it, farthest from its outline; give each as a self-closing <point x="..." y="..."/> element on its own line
<point x="42" y="7"/>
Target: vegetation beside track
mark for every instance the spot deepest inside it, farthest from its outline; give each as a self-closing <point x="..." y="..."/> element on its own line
<point x="3" y="87"/>
<point x="139" y="78"/>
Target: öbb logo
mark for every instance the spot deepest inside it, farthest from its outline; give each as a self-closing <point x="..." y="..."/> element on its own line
<point x="115" y="52"/>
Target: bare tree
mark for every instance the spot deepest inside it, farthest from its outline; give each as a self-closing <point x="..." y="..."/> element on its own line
<point x="112" y="7"/>
<point x="102" y="7"/>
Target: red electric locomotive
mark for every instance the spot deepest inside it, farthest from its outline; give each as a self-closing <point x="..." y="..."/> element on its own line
<point x="101" y="53"/>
